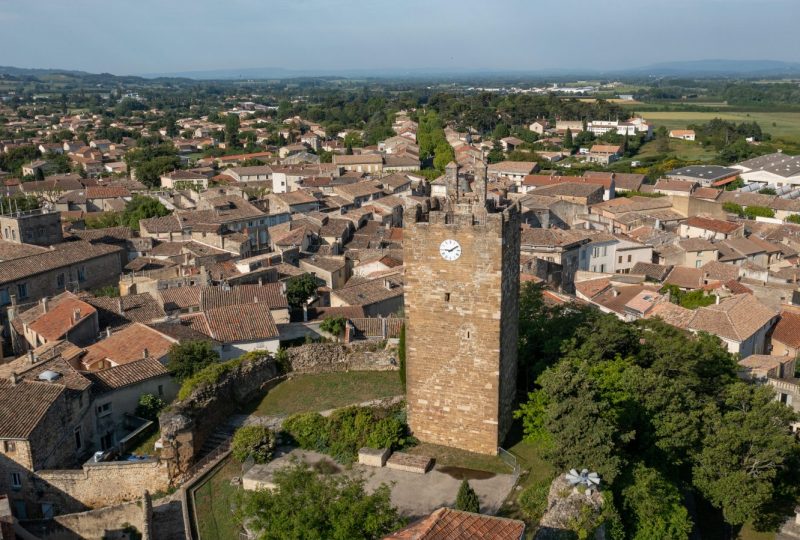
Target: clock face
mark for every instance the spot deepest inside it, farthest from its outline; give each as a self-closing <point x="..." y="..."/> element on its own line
<point x="450" y="250"/>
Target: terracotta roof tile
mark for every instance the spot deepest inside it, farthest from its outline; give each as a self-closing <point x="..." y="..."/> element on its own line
<point x="127" y="374"/>
<point x="22" y="406"/>
<point x="787" y="330"/>
<point x="450" y="524"/>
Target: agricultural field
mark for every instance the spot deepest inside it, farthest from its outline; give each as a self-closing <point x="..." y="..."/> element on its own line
<point x="778" y="124"/>
<point x="683" y="150"/>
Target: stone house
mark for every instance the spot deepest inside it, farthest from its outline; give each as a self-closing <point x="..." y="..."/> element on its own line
<point x="38" y="227"/>
<point x="710" y="228"/>
<point x="64" y="317"/>
<point x="559" y="249"/>
<point x="741" y="322"/>
<point x="332" y="271"/>
<point x="379" y="297"/>
<point x="366" y="163"/>
<point x="240" y="329"/>
<point x="77" y="265"/>
<point x="785" y="337"/>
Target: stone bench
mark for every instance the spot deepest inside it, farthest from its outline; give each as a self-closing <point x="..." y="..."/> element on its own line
<point x="373" y="457"/>
<point x="409" y="463"/>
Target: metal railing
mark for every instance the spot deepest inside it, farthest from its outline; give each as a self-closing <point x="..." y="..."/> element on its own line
<point x="510" y="460"/>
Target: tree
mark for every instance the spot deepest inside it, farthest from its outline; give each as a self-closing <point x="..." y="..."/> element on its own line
<point x="299" y="289"/>
<point x="501" y="131"/>
<point x="746" y="449"/>
<point x="254" y="441"/>
<point x="186" y="359"/>
<point x="444" y="154"/>
<point x="654" y="507"/>
<point x="568" y="144"/>
<point x="232" y="131"/>
<point x="401" y="356"/>
<point x="495" y="155"/>
<point x="662" y="140"/>
<point x="467" y="499"/>
<point x="149" y="406"/>
<point x="334" y="325"/>
<point x="305" y="504"/>
<point x="141" y="207"/>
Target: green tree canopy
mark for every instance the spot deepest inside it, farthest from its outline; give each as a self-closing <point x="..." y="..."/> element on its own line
<point x="187" y="358"/>
<point x="299" y="289"/>
<point x="307" y="505"/>
<point x="141" y="207"/>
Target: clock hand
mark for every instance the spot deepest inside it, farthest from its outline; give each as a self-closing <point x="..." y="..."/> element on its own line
<point x="452" y="249"/>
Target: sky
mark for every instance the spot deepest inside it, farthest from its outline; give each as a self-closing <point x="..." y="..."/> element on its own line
<point x="131" y="37"/>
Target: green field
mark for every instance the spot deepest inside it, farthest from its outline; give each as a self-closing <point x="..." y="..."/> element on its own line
<point x="325" y="391"/>
<point x="214" y="503"/>
<point x="786" y="124"/>
<point x="685" y="150"/>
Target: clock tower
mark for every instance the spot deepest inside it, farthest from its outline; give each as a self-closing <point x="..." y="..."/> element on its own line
<point x="462" y="309"/>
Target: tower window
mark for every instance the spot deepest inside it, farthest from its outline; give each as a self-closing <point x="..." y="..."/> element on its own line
<point x="447" y="297"/>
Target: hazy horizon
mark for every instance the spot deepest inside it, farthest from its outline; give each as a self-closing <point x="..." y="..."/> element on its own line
<point x="149" y="37"/>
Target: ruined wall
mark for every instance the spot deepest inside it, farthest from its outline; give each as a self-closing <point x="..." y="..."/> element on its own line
<point x="97" y="524"/>
<point x="98" y="485"/>
<point x="187" y="424"/>
<point x="461" y="332"/>
<point x="331" y="357"/>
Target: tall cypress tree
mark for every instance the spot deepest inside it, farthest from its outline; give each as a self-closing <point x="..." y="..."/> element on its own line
<point x="467" y="499"/>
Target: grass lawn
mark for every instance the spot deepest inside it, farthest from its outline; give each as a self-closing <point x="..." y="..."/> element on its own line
<point x="685" y="150"/>
<point x="305" y="393"/>
<point x="747" y="533"/>
<point x="453" y="457"/>
<point x="214" y="501"/>
<point x="787" y="124"/>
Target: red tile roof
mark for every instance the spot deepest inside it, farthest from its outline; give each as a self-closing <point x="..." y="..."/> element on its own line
<point x="787" y="330"/>
<point x="450" y="524"/>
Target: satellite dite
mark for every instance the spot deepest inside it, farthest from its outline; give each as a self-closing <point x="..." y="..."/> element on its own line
<point x="583" y="478"/>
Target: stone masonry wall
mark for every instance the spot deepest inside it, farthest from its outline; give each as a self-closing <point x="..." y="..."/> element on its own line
<point x="332" y="357"/>
<point x="186" y="425"/>
<point x="97" y="523"/>
<point x="102" y="484"/>
<point x="461" y="331"/>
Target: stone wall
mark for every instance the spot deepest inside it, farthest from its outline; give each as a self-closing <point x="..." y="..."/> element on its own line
<point x="332" y="357"/>
<point x="97" y="524"/>
<point x="97" y="485"/>
<point x="187" y="424"/>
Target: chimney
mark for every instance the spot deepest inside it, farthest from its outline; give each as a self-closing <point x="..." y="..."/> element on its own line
<point x="76" y="315"/>
<point x="31" y="357"/>
<point x="145" y="353"/>
<point x="45" y="303"/>
<point x="14" y="379"/>
<point x="255" y="299"/>
<point x="283" y="287"/>
<point x="387" y="284"/>
<point x="108" y="331"/>
<point x="120" y="309"/>
<point x="260" y="281"/>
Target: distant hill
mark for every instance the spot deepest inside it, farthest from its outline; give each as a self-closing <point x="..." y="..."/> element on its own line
<point x="719" y="68"/>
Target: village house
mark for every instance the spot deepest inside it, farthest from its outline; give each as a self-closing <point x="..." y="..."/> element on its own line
<point x="515" y="171"/>
<point x="710" y="228"/>
<point x="366" y="163"/>
<point x="683" y="134"/>
<point x="379" y="297"/>
<point x="604" y="154"/>
<point x="742" y="322"/>
<point x="239" y="328"/>
<point x="184" y="180"/>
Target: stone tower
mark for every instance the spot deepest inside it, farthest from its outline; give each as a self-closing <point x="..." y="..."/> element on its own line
<point x="462" y="308"/>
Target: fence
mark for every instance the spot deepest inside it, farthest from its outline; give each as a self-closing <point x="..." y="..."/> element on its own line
<point x="510" y="460"/>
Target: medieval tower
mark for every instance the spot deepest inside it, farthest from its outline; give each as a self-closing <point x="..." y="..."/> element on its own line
<point x="462" y="308"/>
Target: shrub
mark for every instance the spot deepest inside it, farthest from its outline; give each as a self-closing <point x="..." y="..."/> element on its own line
<point x="309" y="430"/>
<point x="386" y="433"/>
<point x="467" y="499"/>
<point x="253" y="441"/>
<point x="759" y="211"/>
<point x="149" y="406"/>
<point x="346" y="431"/>
<point x="533" y="501"/>
<point x="206" y="376"/>
<point x="186" y="359"/>
<point x="334" y="326"/>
